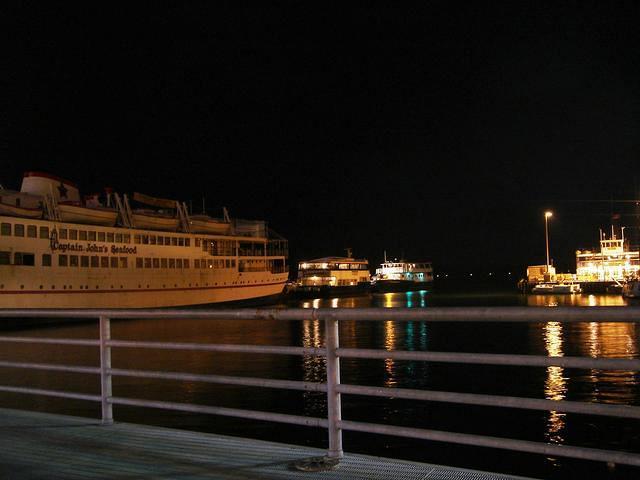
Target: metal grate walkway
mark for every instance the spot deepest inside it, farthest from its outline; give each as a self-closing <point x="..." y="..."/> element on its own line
<point x="40" y="445"/>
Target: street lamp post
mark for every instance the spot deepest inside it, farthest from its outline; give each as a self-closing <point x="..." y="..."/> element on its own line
<point x="546" y="235"/>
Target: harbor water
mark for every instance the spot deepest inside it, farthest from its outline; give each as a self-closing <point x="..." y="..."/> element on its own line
<point x="608" y="340"/>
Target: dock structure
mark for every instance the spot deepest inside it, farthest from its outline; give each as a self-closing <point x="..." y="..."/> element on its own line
<point x="41" y="445"/>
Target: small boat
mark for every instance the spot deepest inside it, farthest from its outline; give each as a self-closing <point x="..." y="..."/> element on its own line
<point x="631" y="289"/>
<point x="207" y="224"/>
<point x="76" y="213"/>
<point x="566" y="288"/>
<point x="549" y="287"/>
<point x="161" y="217"/>
<point x="542" y="288"/>
<point x="154" y="220"/>
<point x="18" y="204"/>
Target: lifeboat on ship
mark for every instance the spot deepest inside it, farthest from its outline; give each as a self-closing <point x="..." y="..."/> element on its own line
<point x="18" y="204"/>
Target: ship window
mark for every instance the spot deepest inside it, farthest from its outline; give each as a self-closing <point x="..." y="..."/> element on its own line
<point x="174" y="241"/>
<point x="233" y="263"/>
<point x="227" y="263"/>
<point x="94" y="261"/>
<point x="138" y="262"/>
<point x="210" y="263"/>
<point x="163" y="263"/>
<point x="44" y="232"/>
<point x="104" y="262"/>
<point x="124" y="262"/>
<point x="187" y="242"/>
<point x="101" y="236"/>
<point x="73" y="234"/>
<point x="84" y="261"/>
<point x="114" y="262"/>
<point x="196" y="263"/>
<point x="62" y="233"/>
<point x="172" y="263"/>
<point x="152" y="239"/>
<point x="156" y="263"/>
<point x="145" y="239"/>
<point x="185" y="263"/>
<point x="204" y="245"/>
<point x="197" y="244"/>
<point x="136" y="239"/>
<point x="63" y="260"/>
<point x="31" y="231"/>
<point x="110" y="237"/>
<point x="6" y="229"/>
<point x="91" y="236"/>
<point x="147" y="262"/>
<point x="20" y="258"/>
<point x="126" y="238"/>
<point x="5" y="258"/>
<point x="46" y="260"/>
<point x="178" y="263"/>
<point x="181" y="242"/>
<point x="82" y="235"/>
<point x="118" y="238"/>
<point x="73" y="260"/>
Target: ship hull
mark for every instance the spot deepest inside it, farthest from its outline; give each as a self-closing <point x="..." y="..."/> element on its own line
<point x="140" y="298"/>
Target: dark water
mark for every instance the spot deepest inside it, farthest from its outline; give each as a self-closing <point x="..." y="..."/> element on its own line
<point x="612" y="340"/>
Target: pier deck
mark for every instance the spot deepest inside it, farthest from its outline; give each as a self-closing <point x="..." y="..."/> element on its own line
<point x="40" y="445"/>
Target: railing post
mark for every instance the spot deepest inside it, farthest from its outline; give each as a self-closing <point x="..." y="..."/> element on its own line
<point x="105" y="371"/>
<point x="334" y="409"/>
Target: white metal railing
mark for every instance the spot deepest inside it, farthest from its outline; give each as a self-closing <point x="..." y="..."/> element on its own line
<point x="333" y="353"/>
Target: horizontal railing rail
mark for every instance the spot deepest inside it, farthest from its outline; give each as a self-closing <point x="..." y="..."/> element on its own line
<point x="332" y="352"/>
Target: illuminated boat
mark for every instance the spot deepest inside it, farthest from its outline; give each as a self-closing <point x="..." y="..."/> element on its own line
<point x="556" y="288"/>
<point x="614" y="263"/>
<point x="332" y="276"/>
<point x="402" y="276"/>
<point x="53" y="263"/>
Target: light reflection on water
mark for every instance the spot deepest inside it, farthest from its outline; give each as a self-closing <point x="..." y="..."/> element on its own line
<point x="555" y="386"/>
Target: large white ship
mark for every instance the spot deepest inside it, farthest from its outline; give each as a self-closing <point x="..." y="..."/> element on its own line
<point x="60" y="251"/>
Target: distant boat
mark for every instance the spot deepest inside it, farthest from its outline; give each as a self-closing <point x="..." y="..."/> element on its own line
<point x="556" y="288"/>
<point x="402" y="276"/>
<point x="332" y="276"/>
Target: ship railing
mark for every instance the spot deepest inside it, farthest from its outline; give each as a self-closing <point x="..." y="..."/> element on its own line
<point x="333" y="353"/>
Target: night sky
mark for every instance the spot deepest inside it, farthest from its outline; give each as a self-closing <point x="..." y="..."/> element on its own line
<point x="441" y="133"/>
